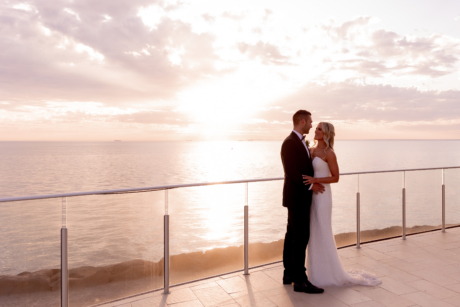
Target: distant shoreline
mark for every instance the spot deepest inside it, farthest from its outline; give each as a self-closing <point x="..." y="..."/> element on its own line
<point x="248" y="140"/>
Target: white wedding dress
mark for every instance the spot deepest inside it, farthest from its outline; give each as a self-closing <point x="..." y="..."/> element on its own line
<point x="323" y="264"/>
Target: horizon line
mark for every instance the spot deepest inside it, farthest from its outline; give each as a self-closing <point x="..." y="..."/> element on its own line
<point x="244" y="140"/>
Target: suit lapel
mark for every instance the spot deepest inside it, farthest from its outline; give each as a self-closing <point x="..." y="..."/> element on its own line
<point x="299" y="143"/>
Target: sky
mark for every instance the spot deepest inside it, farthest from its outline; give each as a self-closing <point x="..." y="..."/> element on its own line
<point x="143" y="70"/>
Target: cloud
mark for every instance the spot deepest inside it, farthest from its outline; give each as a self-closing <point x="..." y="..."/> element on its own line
<point x="81" y="114"/>
<point x="380" y="53"/>
<point x="267" y="53"/>
<point x="208" y="17"/>
<point x="257" y="30"/>
<point x="107" y="54"/>
<point x="236" y="17"/>
<point x="154" y="117"/>
<point x="349" y="101"/>
<point x="267" y="14"/>
<point x="344" y="31"/>
<point x="364" y="112"/>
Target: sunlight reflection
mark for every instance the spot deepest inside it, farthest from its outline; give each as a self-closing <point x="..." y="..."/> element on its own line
<point x="219" y="204"/>
<point x="216" y="211"/>
<point x="221" y="215"/>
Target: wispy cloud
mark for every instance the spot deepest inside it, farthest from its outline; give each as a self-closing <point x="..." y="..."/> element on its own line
<point x="208" y="17"/>
<point x="267" y="53"/>
<point x="233" y="16"/>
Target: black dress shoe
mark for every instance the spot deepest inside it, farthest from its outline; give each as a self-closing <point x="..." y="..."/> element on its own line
<point x="307" y="287"/>
<point x="287" y="280"/>
<point x="320" y="290"/>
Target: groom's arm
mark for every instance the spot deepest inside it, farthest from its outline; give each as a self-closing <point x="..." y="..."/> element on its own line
<point x="288" y="154"/>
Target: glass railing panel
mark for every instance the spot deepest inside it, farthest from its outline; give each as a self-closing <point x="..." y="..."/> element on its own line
<point x="30" y="252"/>
<point x="381" y="205"/>
<point x="206" y="231"/>
<point x="452" y="184"/>
<point x="424" y="200"/>
<point x="267" y="222"/>
<point x="344" y="210"/>
<point x="115" y="246"/>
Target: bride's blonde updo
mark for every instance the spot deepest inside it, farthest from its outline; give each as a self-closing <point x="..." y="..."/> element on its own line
<point x="329" y="135"/>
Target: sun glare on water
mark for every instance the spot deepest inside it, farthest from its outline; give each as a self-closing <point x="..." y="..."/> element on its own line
<point x="216" y="210"/>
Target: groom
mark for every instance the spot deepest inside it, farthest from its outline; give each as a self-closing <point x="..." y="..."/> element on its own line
<point x="296" y="159"/>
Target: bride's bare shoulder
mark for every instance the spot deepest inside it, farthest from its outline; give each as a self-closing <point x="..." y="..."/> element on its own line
<point x="330" y="154"/>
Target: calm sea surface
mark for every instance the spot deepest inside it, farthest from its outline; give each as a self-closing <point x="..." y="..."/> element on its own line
<point x="113" y="228"/>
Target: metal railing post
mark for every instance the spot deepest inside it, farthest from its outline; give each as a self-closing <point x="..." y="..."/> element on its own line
<point x="404" y="207"/>
<point x="166" y="246"/>
<point x="64" y="257"/>
<point x="246" y="234"/>
<point x="358" y="219"/>
<point x="443" y="203"/>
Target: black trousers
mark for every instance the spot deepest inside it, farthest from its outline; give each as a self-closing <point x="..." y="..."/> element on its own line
<point x="295" y="243"/>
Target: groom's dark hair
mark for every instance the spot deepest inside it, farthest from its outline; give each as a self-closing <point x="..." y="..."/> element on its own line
<point x="299" y="115"/>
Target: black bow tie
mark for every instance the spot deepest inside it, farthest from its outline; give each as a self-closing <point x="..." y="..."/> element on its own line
<point x="303" y="137"/>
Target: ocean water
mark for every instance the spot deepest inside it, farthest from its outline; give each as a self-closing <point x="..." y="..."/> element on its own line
<point x="109" y="229"/>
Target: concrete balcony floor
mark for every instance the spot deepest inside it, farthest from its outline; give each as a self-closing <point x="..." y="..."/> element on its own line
<point x="423" y="270"/>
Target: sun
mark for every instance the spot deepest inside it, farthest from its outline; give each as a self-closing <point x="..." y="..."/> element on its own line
<point x="230" y="101"/>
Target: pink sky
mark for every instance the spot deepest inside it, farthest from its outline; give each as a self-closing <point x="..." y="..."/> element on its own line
<point x="207" y="70"/>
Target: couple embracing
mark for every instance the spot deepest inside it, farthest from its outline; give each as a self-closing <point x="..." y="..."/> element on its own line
<point x="308" y="173"/>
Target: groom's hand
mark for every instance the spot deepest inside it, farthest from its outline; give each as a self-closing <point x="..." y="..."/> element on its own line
<point x="317" y="188"/>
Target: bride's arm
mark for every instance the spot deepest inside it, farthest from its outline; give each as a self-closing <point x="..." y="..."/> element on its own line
<point x="333" y="167"/>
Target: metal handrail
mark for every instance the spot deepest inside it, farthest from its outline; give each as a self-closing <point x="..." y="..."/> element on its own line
<point x="168" y="187"/>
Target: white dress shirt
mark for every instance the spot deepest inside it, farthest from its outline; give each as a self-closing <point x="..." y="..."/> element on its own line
<point x="304" y="144"/>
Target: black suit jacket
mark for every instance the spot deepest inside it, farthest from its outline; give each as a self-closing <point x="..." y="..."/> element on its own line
<point x="295" y="163"/>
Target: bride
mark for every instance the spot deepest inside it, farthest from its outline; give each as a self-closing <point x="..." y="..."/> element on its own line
<point x="323" y="264"/>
